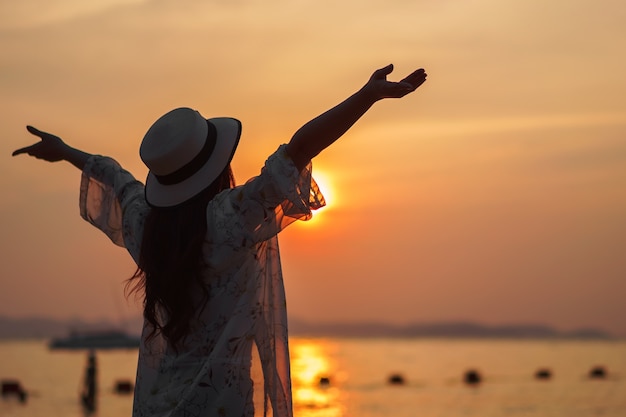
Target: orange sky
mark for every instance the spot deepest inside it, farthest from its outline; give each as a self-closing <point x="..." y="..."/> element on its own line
<point x="496" y="193"/>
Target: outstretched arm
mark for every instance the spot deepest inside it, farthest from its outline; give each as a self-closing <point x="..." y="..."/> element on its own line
<point x="321" y="132"/>
<point x="52" y="149"/>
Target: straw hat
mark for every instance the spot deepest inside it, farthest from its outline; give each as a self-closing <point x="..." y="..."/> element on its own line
<point x="185" y="153"/>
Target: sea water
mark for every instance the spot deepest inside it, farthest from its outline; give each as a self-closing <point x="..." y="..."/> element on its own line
<point x="351" y="377"/>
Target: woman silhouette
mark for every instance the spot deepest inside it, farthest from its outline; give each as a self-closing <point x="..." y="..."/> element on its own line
<point x="207" y="253"/>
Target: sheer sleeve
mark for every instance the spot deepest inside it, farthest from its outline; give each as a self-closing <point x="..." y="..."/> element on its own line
<point x="242" y="226"/>
<point x="281" y="194"/>
<point x="112" y="200"/>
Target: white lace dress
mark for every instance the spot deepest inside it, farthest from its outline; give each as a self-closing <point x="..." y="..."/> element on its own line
<point x="236" y="361"/>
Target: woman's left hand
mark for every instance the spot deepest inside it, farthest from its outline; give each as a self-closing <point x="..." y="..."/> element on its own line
<point x="51" y="148"/>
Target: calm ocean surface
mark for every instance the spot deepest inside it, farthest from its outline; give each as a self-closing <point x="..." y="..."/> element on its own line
<point x="358" y="371"/>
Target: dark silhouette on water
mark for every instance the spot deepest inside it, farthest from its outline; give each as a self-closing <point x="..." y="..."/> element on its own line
<point x="123" y="387"/>
<point x="324" y="382"/>
<point x="598" y="372"/>
<point x="13" y="388"/>
<point x="396" y="379"/>
<point x="543" y="373"/>
<point x="105" y="339"/>
<point x="88" y="396"/>
<point x="472" y="377"/>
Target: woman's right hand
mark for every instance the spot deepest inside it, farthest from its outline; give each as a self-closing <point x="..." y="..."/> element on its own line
<point x="51" y="148"/>
<point x="378" y="87"/>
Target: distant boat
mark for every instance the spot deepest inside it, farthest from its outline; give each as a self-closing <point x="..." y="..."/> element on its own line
<point x="106" y="339"/>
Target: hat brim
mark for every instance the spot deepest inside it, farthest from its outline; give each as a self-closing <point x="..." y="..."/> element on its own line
<point x="227" y="139"/>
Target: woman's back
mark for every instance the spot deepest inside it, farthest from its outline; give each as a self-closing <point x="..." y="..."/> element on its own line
<point x="245" y="309"/>
<point x="208" y="368"/>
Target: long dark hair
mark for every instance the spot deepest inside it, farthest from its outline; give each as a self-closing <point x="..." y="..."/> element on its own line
<point x="170" y="263"/>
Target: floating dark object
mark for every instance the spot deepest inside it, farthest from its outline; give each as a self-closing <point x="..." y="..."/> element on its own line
<point x="396" y="379"/>
<point x="472" y="377"/>
<point x="324" y="381"/>
<point x="123" y="387"/>
<point x="11" y="387"/>
<point x="109" y="339"/>
<point x="597" y="372"/>
<point x="543" y="373"/>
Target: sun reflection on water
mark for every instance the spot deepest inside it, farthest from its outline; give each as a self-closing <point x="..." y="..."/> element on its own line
<point x="314" y="380"/>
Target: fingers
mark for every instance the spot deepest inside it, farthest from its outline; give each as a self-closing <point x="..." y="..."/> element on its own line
<point x="415" y="79"/>
<point x="25" y="149"/>
<point x="418" y="76"/>
<point x="36" y="132"/>
<point x="383" y="72"/>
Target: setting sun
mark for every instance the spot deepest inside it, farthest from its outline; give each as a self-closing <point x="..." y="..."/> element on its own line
<point x="325" y="185"/>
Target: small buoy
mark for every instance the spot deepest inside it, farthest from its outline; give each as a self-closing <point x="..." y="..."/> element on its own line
<point x="543" y="373"/>
<point x="123" y="387"/>
<point x="472" y="377"/>
<point x="597" y="372"/>
<point x="324" y="381"/>
<point x="11" y="387"/>
<point x="396" y="379"/>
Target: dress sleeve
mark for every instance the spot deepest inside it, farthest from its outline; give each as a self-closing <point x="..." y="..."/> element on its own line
<point x="112" y="200"/>
<point x="268" y="203"/>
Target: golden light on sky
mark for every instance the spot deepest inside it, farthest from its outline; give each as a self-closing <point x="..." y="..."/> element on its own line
<point x="495" y="193"/>
<point x="325" y="184"/>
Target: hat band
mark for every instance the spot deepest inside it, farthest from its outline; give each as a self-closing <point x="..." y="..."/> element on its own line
<point x="193" y="166"/>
